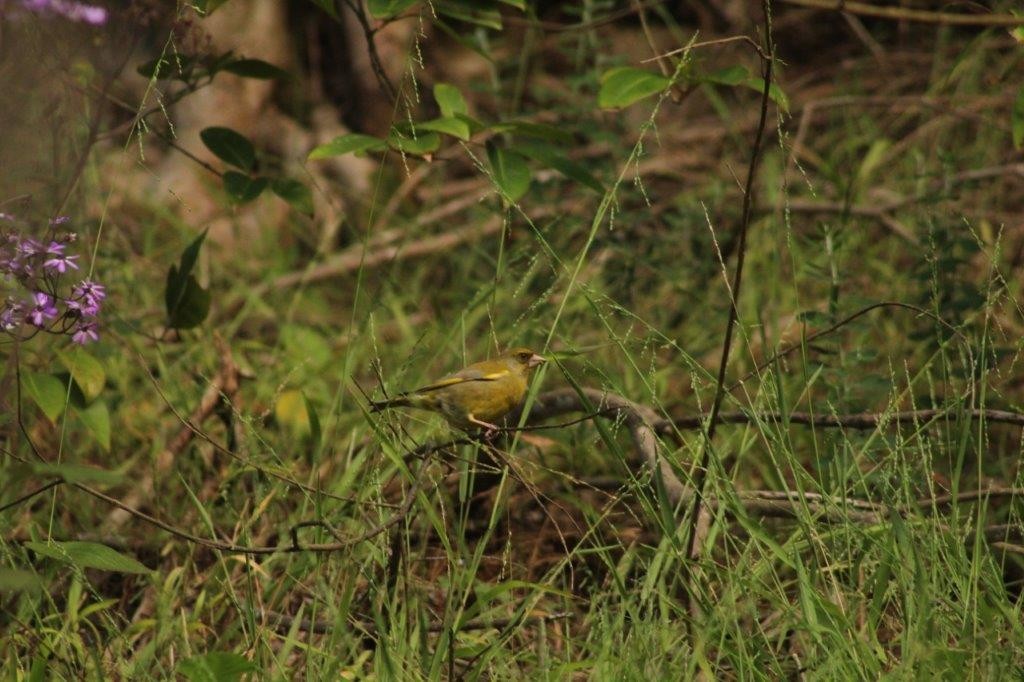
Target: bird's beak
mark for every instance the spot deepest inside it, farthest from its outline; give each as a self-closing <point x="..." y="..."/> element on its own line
<point x="535" y="360"/>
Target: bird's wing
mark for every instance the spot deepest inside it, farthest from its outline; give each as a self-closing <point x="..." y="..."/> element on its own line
<point x="463" y="376"/>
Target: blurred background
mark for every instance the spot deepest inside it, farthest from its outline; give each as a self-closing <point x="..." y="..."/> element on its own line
<point x="296" y="206"/>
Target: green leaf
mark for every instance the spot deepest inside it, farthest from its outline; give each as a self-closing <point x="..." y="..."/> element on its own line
<point x="230" y="147"/>
<point x="88" y="555"/>
<point x="510" y="171"/>
<point x="16" y="580"/>
<point x="540" y="131"/>
<point x="85" y="370"/>
<point x="455" y="127"/>
<point x="75" y="473"/>
<point x="46" y="391"/>
<point x="450" y="100"/>
<point x="471" y="12"/>
<point x="96" y="418"/>
<point x="294" y="192"/>
<point x="187" y="302"/>
<point x="731" y="75"/>
<point x="353" y="143"/>
<point x="1017" y="120"/>
<point x="382" y="9"/>
<point x="216" y="666"/>
<point x="327" y="6"/>
<point x="775" y="93"/>
<point x="255" y="68"/>
<point x="550" y="157"/>
<point x="418" y="145"/>
<point x="622" y="86"/>
<point x="242" y="188"/>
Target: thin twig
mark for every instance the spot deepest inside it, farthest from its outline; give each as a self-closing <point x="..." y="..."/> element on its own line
<point x="701" y="471"/>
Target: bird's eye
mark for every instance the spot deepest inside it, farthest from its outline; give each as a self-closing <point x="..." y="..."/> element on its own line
<point x="523" y="357"/>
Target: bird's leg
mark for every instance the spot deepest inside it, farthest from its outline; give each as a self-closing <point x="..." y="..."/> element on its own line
<point x="490" y="430"/>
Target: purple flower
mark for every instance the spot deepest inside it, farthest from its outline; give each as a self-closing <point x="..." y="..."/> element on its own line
<point x="10" y="315"/>
<point x="44" y="310"/>
<point x="90" y="291"/>
<point x="69" y="9"/>
<point x="61" y="263"/>
<point x="60" y="220"/>
<point x="84" y="307"/>
<point x="85" y="332"/>
<point x="28" y="247"/>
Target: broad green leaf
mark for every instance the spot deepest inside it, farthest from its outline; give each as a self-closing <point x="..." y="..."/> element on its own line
<point x="96" y="418"/>
<point x="85" y="370"/>
<point x="450" y="100"/>
<point x="191" y="307"/>
<point x="76" y="473"/>
<point x="353" y="143"/>
<point x="1017" y="120"/>
<point x="455" y="127"/>
<point x="625" y="85"/>
<point x="739" y="75"/>
<point x="88" y="555"/>
<point x="216" y="666"/>
<point x="471" y="12"/>
<point x="510" y="171"/>
<point x="731" y="75"/>
<point x="775" y="93"/>
<point x="538" y="151"/>
<point x="46" y="391"/>
<point x="17" y="580"/>
<point x="540" y="131"/>
<point x="306" y="345"/>
<point x="229" y="146"/>
<point x="327" y="6"/>
<point x="187" y="303"/>
<point x="242" y="188"/>
<point x="290" y="410"/>
<point x="255" y="68"/>
<point x="418" y="145"/>
<point x="294" y="192"/>
<point x="383" y="9"/>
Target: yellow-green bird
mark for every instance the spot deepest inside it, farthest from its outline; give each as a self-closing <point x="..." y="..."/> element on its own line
<point x="476" y="396"/>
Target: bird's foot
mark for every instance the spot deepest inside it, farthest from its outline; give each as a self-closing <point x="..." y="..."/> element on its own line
<point x="489" y="431"/>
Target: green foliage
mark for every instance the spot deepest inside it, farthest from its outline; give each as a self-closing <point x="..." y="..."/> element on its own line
<point x="88" y="555"/>
<point x="230" y="147"/>
<point x="48" y="392"/>
<point x="605" y="239"/>
<point x="510" y="172"/>
<point x="352" y="143"/>
<point x="186" y="301"/>
<point x="626" y="85"/>
<point x="216" y="666"/>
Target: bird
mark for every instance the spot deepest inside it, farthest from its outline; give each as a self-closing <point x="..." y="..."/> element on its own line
<point x="477" y="395"/>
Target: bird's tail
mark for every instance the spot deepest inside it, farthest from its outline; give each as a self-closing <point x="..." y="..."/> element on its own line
<point x="397" y="401"/>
